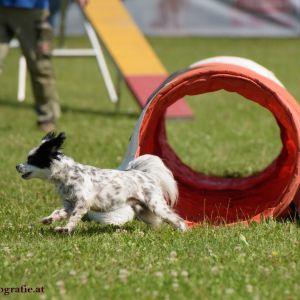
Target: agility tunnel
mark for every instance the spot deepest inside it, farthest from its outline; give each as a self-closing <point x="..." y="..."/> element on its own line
<point x="216" y="199"/>
<point x="219" y="200"/>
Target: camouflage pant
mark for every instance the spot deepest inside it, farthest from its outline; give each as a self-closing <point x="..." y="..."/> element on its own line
<point x="30" y="27"/>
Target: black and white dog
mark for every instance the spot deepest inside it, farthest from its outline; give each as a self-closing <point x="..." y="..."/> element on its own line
<point x="147" y="186"/>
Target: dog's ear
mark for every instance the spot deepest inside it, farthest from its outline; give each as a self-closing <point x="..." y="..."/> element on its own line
<point x="48" y="136"/>
<point x="52" y="144"/>
<point x="59" y="140"/>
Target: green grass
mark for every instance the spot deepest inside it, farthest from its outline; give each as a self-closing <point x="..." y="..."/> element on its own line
<point x="228" y="136"/>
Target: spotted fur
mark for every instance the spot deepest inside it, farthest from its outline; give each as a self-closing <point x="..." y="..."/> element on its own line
<point x="147" y="186"/>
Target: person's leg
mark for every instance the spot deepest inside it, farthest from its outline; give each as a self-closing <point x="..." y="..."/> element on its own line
<point x="35" y="35"/>
<point x="5" y="37"/>
<point x="54" y="7"/>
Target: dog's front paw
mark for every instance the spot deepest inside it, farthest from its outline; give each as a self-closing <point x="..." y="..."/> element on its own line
<point x="47" y="220"/>
<point x="63" y="230"/>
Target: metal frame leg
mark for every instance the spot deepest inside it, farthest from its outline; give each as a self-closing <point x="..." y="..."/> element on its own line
<point x="22" y="79"/>
<point x="101" y="62"/>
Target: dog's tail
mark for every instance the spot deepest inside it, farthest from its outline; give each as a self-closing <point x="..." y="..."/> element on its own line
<point x="154" y="165"/>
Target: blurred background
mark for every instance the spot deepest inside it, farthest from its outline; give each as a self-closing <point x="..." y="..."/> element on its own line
<point x="204" y="17"/>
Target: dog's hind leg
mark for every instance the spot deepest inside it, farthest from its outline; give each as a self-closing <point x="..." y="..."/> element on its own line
<point x="147" y="216"/>
<point x="160" y="210"/>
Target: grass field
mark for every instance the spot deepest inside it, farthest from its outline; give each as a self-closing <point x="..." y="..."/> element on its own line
<point x="228" y="136"/>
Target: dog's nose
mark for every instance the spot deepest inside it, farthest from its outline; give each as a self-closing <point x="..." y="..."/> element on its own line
<point x="18" y="167"/>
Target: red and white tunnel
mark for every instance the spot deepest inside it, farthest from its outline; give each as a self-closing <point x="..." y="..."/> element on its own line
<point x="219" y="200"/>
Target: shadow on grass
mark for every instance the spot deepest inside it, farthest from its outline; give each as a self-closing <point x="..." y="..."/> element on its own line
<point x="89" y="111"/>
<point x="95" y="229"/>
<point x="13" y="103"/>
<point x="293" y="215"/>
